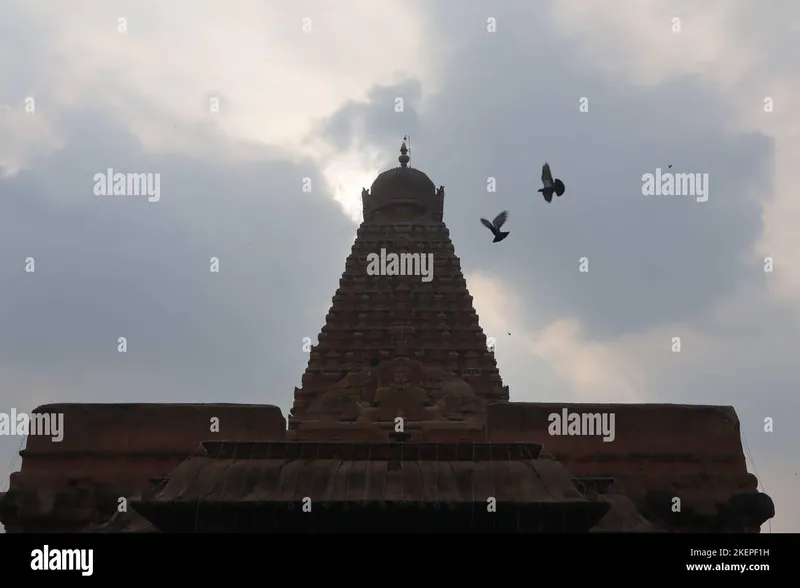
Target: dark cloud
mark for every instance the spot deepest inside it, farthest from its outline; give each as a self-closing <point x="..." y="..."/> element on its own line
<point x="112" y="266"/>
<point x="377" y="118"/>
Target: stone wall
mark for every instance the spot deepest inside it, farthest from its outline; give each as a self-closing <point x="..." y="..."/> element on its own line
<point x="660" y="452"/>
<point x="115" y="450"/>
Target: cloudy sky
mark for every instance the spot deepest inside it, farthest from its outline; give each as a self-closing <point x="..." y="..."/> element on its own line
<point x="319" y="103"/>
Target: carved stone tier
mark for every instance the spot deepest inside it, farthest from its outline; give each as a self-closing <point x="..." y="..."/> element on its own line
<point x="377" y="318"/>
<point x="424" y="397"/>
<point x="238" y="487"/>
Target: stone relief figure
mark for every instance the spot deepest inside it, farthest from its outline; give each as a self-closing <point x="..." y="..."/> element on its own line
<point x="364" y="192"/>
<point x="406" y="388"/>
<point x="458" y="400"/>
<point x="336" y="405"/>
<point x="401" y="387"/>
<point x="440" y="192"/>
<point x="399" y="392"/>
<point x="343" y="400"/>
<point x="454" y="398"/>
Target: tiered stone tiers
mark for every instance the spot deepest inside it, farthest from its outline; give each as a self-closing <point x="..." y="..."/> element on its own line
<point x="397" y="346"/>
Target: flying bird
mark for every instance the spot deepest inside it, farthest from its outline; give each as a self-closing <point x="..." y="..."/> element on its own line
<point x="550" y="185"/>
<point x="495" y="225"/>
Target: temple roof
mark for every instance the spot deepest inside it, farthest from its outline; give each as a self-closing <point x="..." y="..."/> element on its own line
<point x="415" y="180"/>
<point x="275" y="472"/>
<point x="412" y="180"/>
<point x="402" y="185"/>
<point x="255" y="479"/>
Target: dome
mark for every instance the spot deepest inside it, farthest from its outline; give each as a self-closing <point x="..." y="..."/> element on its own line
<point x="403" y="187"/>
<point x="408" y="180"/>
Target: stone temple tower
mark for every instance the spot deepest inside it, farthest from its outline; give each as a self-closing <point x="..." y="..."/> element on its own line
<point x="399" y="345"/>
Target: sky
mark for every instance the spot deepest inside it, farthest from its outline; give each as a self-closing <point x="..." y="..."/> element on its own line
<point x="240" y="105"/>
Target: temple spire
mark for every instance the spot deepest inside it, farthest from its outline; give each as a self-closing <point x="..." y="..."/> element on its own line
<point x="404" y="158"/>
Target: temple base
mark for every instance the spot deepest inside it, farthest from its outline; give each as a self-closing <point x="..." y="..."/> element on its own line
<point x="373" y="517"/>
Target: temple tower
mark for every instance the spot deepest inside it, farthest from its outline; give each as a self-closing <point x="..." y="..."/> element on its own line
<point x="402" y="337"/>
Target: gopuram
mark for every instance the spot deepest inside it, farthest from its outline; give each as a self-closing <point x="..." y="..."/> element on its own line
<point x="402" y="423"/>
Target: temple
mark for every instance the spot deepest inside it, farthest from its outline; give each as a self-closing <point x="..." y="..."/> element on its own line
<point x="401" y="423"/>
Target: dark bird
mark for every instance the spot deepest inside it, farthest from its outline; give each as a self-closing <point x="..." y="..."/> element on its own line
<point x="495" y="225"/>
<point x="550" y="185"/>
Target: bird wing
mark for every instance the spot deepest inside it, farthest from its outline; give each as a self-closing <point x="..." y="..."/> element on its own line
<point x="547" y="177"/>
<point x="500" y="219"/>
<point x="488" y="225"/>
<point x="559" y="187"/>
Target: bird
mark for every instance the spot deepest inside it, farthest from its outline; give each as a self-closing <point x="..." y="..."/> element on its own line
<point x="495" y="225"/>
<point x="550" y="185"/>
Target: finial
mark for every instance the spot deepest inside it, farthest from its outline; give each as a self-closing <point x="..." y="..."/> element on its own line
<point x="404" y="158"/>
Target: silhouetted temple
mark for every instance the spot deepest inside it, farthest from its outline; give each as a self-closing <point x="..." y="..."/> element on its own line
<point x="402" y="422"/>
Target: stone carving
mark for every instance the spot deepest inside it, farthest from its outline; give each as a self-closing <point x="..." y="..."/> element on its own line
<point x="400" y="387"/>
<point x="399" y="393"/>
<point x="364" y="192"/>
<point x="440" y="192"/>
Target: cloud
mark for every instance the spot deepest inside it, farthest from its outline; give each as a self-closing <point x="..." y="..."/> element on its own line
<point x="23" y="137"/>
<point x="745" y="55"/>
<point x="588" y="371"/>
<point x="273" y="80"/>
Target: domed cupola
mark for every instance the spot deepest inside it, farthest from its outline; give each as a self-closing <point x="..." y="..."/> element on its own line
<point x="403" y="192"/>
